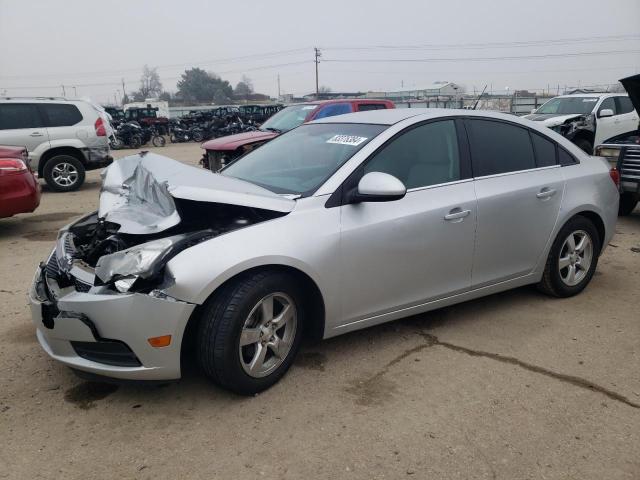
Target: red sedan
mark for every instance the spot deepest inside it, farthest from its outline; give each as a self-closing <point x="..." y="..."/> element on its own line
<point x="19" y="188"/>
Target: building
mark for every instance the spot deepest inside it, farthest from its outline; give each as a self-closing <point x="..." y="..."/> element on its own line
<point x="436" y="89"/>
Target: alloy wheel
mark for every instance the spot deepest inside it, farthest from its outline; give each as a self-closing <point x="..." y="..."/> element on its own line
<point x="267" y="334"/>
<point x="64" y="174"/>
<point x="575" y="258"/>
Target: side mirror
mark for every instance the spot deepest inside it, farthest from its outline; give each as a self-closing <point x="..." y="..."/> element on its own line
<point x="605" y="112"/>
<point x="378" y="187"/>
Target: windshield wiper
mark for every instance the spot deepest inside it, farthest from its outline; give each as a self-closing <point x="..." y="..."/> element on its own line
<point x="271" y="129"/>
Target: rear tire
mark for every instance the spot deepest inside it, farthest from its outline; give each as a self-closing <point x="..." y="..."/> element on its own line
<point x="241" y="344"/>
<point x="158" y="141"/>
<point x="567" y="255"/>
<point x="64" y="173"/>
<point x="136" y="142"/>
<point x="628" y="202"/>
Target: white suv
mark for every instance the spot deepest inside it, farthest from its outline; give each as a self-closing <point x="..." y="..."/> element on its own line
<point x="65" y="138"/>
<point x="587" y="119"/>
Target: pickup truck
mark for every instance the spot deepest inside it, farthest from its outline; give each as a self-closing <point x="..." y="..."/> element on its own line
<point x="223" y="150"/>
<point x="623" y="152"/>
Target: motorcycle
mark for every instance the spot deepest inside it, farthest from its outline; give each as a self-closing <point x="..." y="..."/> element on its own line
<point x="127" y="135"/>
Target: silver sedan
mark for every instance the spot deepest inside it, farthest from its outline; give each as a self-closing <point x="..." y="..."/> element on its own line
<point x="338" y="225"/>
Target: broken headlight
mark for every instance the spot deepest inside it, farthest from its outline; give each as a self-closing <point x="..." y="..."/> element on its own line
<point x="144" y="261"/>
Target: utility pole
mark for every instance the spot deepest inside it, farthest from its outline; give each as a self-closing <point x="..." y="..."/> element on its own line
<point x="75" y="92"/>
<point x="317" y="61"/>
<point x="278" y="86"/>
<point x="124" y="93"/>
<point x="63" y="92"/>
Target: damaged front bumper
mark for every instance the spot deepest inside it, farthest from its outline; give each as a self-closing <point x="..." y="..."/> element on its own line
<point x="106" y="333"/>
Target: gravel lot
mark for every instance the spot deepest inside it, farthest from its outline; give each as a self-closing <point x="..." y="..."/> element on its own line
<point x="512" y="386"/>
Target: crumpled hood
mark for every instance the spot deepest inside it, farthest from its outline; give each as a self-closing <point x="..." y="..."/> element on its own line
<point x="551" y="119"/>
<point x="138" y="192"/>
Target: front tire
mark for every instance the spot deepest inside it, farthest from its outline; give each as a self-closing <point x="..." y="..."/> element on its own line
<point x="158" y="141"/>
<point x="64" y="173"/>
<point x="572" y="259"/>
<point x="250" y="331"/>
<point x="628" y="202"/>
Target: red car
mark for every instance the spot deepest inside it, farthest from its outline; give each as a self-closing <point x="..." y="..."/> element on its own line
<point x="221" y="151"/>
<point x="19" y="188"/>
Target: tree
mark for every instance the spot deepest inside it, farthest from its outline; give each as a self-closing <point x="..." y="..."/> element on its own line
<point x="200" y="86"/>
<point x="244" y="88"/>
<point x="220" y="97"/>
<point x="150" y="85"/>
<point x="324" y="89"/>
<point x="165" y="96"/>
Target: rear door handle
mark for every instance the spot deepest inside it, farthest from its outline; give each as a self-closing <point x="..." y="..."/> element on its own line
<point x="546" y="193"/>
<point x="36" y="134"/>
<point x="456" y="214"/>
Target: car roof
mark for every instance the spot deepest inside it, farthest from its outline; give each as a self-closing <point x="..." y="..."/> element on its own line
<point x="595" y="95"/>
<point x="340" y="100"/>
<point x="391" y="116"/>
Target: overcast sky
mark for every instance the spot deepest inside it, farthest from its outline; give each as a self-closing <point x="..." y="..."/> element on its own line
<point x="366" y="45"/>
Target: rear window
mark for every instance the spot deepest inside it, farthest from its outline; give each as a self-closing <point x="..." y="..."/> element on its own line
<point x="332" y="110"/>
<point x="545" y="151"/>
<point x="61" y="114"/>
<point x="498" y="147"/>
<point x="363" y="107"/>
<point x="19" y="115"/>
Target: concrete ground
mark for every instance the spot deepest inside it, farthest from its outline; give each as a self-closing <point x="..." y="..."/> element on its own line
<point x="513" y="386"/>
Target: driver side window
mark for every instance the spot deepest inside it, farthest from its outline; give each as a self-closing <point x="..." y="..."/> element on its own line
<point x="608" y="103"/>
<point x="422" y="156"/>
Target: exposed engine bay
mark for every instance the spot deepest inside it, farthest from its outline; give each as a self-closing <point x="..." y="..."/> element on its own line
<point x="151" y="209"/>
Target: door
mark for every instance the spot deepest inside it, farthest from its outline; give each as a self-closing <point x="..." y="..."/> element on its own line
<point x="607" y="127"/>
<point x="627" y="114"/>
<point x="406" y="252"/>
<point x="22" y="125"/>
<point x="519" y="192"/>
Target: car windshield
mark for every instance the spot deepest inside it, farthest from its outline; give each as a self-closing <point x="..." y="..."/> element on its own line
<point x="303" y="159"/>
<point x="568" y="105"/>
<point x="288" y="118"/>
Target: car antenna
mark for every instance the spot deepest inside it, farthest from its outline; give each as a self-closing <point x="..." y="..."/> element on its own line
<point x="479" y="97"/>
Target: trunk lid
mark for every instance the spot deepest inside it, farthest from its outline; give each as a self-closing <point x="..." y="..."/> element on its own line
<point x="138" y="192"/>
<point x="632" y="86"/>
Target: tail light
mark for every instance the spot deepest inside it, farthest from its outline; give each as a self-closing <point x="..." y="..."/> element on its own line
<point x="615" y="176"/>
<point x="101" y="131"/>
<point x="9" y="166"/>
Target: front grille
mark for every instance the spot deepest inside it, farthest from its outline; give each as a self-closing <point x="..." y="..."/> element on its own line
<point x="630" y="163"/>
<point x="81" y="286"/>
<point x="109" y="352"/>
<point x="52" y="269"/>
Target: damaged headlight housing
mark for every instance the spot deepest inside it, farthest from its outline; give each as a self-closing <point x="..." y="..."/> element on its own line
<point x="144" y="261"/>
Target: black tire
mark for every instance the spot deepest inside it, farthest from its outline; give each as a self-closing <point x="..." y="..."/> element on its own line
<point x="222" y="321"/>
<point x="54" y="174"/>
<point x="197" y="136"/>
<point x="628" y="202"/>
<point x="552" y="282"/>
<point x="584" y="145"/>
<point x="158" y="141"/>
<point x="136" y="142"/>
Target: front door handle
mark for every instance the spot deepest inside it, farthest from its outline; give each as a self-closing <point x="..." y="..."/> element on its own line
<point x="456" y="215"/>
<point x="36" y="134"/>
<point x="546" y="193"/>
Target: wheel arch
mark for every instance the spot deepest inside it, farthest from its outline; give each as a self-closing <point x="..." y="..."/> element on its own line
<point x="597" y="221"/>
<point x="313" y="331"/>
<point x="52" y="152"/>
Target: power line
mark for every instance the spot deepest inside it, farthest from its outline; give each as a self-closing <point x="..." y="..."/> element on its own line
<point x="175" y="65"/>
<point x="516" y="44"/>
<point x="478" y="59"/>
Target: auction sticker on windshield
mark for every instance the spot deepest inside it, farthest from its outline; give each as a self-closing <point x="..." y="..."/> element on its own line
<point x="352" y="140"/>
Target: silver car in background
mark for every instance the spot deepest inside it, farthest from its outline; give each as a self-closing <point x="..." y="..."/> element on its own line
<point x="335" y="226"/>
